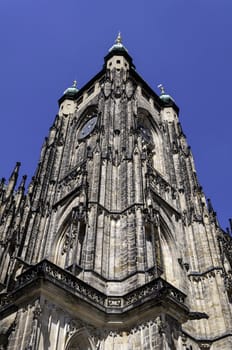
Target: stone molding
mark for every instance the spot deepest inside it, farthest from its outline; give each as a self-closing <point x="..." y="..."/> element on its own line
<point x="156" y="290"/>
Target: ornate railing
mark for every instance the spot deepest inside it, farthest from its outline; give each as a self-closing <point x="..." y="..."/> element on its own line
<point x="158" y="288"/>
<point x="49" y="271"/>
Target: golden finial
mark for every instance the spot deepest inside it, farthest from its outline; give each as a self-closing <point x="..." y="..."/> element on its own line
<point x="118" y="44"/>
<point x="74" y="84"/>
<point x="161" y="87"/>
<point x="73" y="89"/>
<point x="119" y="38"/>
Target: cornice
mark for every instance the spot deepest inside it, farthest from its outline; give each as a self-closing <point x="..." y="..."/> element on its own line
<point x="47" y="276"/>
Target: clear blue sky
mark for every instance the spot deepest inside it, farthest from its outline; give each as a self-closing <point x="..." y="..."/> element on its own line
<point x="184" y="44"/>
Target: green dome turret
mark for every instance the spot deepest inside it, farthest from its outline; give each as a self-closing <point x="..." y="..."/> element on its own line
<point x="72" y="90"/>
<point x="118" y="49"/>
<point x="167" y="99"/>
<point x="118" y="44"/>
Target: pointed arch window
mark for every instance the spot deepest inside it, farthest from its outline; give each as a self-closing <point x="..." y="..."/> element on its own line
<point x="153" y="247"/>
<point x="146" y="129"/>
<point x="151" y="139"/>
<point x="80" y="341"/>
<point x="69" y="253"/>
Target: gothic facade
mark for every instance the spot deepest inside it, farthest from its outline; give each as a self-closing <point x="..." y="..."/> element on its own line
<point x="113" y="245"/>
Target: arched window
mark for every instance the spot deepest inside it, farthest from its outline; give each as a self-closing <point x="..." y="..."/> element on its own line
<point x="153" y="246"/>
<point x="170" y="253"/>
<point x="80" y="341"/>
<point x="150" y="136"/>
<point x="69" y="248"/>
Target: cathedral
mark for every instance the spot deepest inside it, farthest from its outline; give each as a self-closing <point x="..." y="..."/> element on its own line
<point x="113" y="245"/>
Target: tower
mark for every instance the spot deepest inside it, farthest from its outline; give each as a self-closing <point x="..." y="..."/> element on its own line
<point x="113" y="245"/>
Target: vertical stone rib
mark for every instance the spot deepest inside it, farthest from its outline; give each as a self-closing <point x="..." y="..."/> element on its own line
<point x="109" y="185"/>
<point x="138" y="184"/>
<point x="99" y="248"/>
<point x="123" y="243"/>
<point x="131" y="243"/>
<point x="122" y="178"/>
<point x="102" y="191"/>
<point x="95" y="177"/>
<point x="106" y="240"/>
<point x="140" y="243"/>
<point x="130" y="183"/>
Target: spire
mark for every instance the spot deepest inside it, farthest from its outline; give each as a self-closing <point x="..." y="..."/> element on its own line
<point x="230" y="221"/>
<point x="2" y="183"/>
<point x="22" y="183"/>
<point x="210" y="206"/>
<point x="20" y="191"/>
<point x="2" y="188"/>
<point x="12" y="180"/>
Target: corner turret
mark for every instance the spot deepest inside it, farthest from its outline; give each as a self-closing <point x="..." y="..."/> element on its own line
<point x="68" y="104"/>
<point x="118" y="56"/>
<point x="169" y="107"/>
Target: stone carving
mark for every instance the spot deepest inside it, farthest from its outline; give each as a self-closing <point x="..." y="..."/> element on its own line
<point x="129" y="89"/>
<point x="70" y="182"/>
<point x="163" y="188"/>
<point x="157" y="288"/>
<point x="225" y="243"/>
<point x="204" y="345"/>
<point x="73" y="326"/>
<point x="133" y="213"/>
<point x="107" y="88"/>
<point x="78" y="214"/>
<point x="34" y="325"/>
<point x="114" y="302"/>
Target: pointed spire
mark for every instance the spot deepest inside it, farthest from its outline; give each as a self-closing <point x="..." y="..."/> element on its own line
<point x="20" y="191"/>
<point x="213" y="214"/>
<point x="22" y="183"/>
<point x="210" y="206"/>
<point x="230" y="222"/>
<point x="12" y="180"/>
<point x="2" y="189"/>
<point x="2" y="183"/>
<point x="15" y="171"/>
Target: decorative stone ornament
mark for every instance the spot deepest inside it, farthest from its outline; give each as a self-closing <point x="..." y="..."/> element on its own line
<point x="113" y="245"/>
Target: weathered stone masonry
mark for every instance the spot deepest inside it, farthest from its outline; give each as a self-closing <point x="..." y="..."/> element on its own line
<point x="113" y="245"/>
